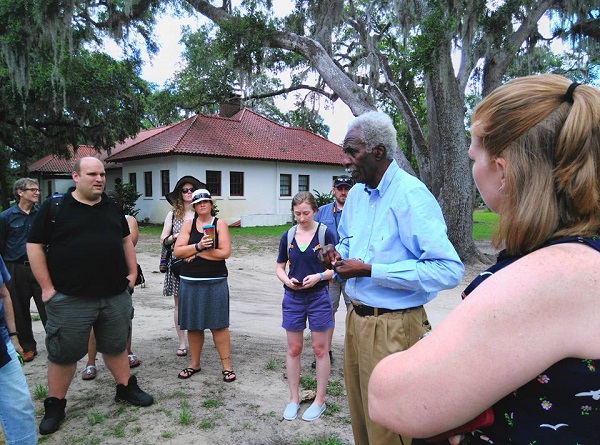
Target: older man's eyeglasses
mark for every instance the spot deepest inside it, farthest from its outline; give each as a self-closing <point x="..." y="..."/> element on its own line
<point x="346" y="238"/>
<point x="34" y="190"/>
<point x="187" y="189"/>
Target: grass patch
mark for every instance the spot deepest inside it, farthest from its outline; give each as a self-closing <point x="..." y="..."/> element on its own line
<point x="167" y="435"/>
<point x="335" y="389"/>
<point x="265" y="231"/>
<point x="185" y="418"/>
<point x="40" y="392"/>
<point x="332" y="409"/>
<point x="35" y="317"/>
<point x="206" y="424"/>
<point x="96" y="418"/>
<point x="308" y="382"/>
<point x="118" y="431"/>
<point x="151" y="229"/>
<point x="212" y="403"/>
<point x="484" y="223"/>
<point x="272" y="364"/>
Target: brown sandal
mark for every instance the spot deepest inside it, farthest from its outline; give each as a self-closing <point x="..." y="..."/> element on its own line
<point x="228" y="376"/>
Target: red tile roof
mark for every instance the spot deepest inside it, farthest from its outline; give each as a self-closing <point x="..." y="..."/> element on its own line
<point x="245" y="135"/>
<point x="55" y="164"/>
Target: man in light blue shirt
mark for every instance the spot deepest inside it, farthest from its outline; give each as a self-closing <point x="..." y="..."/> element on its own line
<point x="395" y="255"/>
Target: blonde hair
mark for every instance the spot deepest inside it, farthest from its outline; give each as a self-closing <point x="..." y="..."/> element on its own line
<point x="552" y="151"/>
<point x="178" y="208"/>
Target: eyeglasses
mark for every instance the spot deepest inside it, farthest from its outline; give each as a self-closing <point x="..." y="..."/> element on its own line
<point x="345" y="239"/>
<point x="187" y="190"/>
<point x="33" y="190"/>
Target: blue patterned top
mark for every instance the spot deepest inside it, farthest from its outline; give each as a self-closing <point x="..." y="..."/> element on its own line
<point x="561" y="406"/>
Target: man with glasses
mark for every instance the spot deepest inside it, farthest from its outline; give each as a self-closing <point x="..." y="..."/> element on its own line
<point x="15" y="224"/>
<point x="330" y="215"/>
<point x="395" y="256"/>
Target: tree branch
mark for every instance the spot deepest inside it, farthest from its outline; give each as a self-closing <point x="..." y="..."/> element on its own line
<point x="350" y="93"/>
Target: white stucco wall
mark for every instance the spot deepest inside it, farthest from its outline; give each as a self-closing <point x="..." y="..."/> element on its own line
<point x="261" y="203"/>
<point x="62" y="184"/>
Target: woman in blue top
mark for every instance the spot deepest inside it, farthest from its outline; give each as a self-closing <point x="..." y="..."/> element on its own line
<point x="526" y="340"/>
<point x="305" y="296"/>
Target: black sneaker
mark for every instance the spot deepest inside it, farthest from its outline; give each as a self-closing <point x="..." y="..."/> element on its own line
<point x="54" y="413"/>
<point x="133" y="394"/>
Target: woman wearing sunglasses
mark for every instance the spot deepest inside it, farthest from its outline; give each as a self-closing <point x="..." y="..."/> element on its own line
<point x="181" y="200"/>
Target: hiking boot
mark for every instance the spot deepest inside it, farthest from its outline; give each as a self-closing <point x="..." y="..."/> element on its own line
<point x="54" y="413"/>
<point x="133" y="394"/>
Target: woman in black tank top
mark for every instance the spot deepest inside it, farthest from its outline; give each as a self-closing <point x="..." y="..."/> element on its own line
<point x="204" y="244"/>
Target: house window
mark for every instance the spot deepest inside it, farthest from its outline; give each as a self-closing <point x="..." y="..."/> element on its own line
<point x="213" y="182"/>
<point x="147" y="184"/>
<point x="164" y="182"/>
<point x="236" y="183"/>
<point x="303" y="183"/>
<point x="285" y="185"/>
<point x="133" y="180"/>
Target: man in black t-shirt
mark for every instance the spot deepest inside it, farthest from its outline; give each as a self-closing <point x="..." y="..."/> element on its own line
<point x="83" y="258"/>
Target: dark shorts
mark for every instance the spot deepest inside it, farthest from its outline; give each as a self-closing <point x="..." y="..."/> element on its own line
<point x="70" y="320"/>
<point x="314" y="305"/>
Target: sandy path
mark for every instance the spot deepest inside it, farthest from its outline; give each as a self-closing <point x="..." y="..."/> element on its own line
<point x="247" y="411"/>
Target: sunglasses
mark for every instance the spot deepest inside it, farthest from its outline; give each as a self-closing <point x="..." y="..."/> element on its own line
<point x="187" y="190"/>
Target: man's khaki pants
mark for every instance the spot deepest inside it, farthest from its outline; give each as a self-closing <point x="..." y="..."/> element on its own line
<point x="368" y="340"/>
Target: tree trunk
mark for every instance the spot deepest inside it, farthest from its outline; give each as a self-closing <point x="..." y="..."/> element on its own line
<point x="446" y="120"/>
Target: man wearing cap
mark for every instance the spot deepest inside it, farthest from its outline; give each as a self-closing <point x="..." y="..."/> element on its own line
<point x="395" y="256"/>
<point x="330" y="215"/>
<point x="83" y="257"/>
<point x="15" y="224"/>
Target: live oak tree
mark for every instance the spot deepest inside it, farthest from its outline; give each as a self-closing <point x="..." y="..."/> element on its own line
<point x="425" y="61"/>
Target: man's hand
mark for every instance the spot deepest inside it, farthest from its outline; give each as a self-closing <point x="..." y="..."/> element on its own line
<point x="47" y="294"/>
<point x="131" y="278"/>
<point x="328" y="255"/>
<point x="351" y="268"/>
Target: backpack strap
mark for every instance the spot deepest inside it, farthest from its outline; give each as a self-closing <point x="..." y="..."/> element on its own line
<point x="321" y="229"/>
<point x="56" y="202"/>
<point x="291" y="233"/>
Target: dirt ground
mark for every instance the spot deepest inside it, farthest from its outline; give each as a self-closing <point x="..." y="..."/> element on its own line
<point x="203" y="409"/>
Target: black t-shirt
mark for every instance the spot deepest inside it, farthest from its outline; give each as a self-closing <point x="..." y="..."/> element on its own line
<point x="84" y="247"/>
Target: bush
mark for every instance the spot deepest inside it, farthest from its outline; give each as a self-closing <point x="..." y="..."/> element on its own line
<point x="128" y="196"/>
<point x="323" y="198"/>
